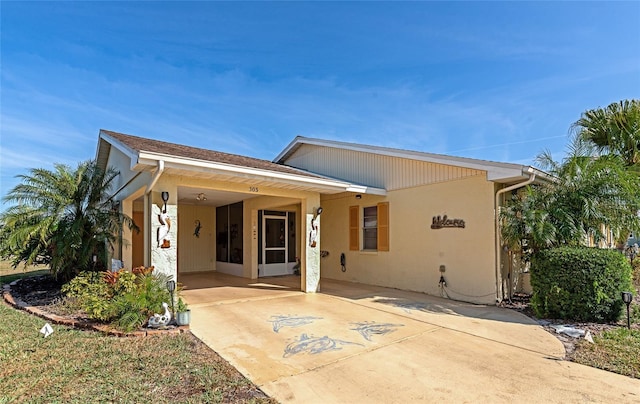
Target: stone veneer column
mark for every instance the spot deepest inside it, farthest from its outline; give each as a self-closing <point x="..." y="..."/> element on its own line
<point x="164" y="259"/>
<point x="311" y="268"/>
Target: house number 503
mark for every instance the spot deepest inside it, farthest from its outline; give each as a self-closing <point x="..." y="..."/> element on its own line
<point x="253" y="189"/>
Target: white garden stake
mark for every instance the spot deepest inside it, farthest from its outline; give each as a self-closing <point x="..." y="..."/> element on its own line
<point x="46" y="330"/>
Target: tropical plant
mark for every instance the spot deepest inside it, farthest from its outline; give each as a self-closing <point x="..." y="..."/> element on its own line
<point x="587" y="196"/>
<point x="124" y="298"/>
<point x="613" y="130"/>
<point x="62" y="218"/>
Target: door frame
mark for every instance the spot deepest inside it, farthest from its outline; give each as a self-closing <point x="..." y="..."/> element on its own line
<point x="280" y="268"/>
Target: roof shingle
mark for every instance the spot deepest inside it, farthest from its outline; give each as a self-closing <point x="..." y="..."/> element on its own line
<point x="140" y="144"/>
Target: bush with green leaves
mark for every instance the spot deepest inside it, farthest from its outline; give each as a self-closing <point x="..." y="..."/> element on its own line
<point x="579" y="283"/>
<point x="635" y="265"/>
<point x="123" y="298"/>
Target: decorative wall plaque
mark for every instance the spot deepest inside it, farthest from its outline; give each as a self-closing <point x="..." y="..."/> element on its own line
<point x="440" y="222"/>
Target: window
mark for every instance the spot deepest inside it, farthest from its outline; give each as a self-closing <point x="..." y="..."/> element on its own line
<point x="229" y="233"/>
<point x="374" y="227"/>
<point x="370" y="228"/>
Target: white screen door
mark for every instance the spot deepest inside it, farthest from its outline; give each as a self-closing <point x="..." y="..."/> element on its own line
<point x="274" y="251"/>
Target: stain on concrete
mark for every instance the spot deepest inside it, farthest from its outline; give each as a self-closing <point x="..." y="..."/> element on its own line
<point x="314" y="345"/>
<point x="291" y="321"/>
<point x="370" y="328"/>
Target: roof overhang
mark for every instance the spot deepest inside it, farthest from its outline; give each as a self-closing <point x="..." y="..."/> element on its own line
<point x="302" y="181"/>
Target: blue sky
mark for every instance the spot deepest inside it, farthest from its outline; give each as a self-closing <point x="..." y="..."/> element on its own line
<point x="499" y="81"/>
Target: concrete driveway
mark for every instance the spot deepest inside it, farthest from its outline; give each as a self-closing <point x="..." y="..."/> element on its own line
<point x="356" y="343"/>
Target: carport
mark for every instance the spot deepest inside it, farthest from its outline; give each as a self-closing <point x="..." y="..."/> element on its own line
<point x="201" y="210"/>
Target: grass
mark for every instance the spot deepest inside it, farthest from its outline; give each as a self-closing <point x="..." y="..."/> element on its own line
<point x="73" y="366"/>
<point x="9" y="274"/>
<point x="616" y="350"/>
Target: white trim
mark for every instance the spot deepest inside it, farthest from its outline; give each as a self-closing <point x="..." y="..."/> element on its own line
<point x="129" y="152"/>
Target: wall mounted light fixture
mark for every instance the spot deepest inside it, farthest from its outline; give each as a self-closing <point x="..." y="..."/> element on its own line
<point x="316" y="214"/>
<point x="165" y="198"/>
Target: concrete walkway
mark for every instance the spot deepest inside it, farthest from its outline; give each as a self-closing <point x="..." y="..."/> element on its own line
<point x="356" y="343"/>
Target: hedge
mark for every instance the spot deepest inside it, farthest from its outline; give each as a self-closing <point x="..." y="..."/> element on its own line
<point x="579" y="283"/>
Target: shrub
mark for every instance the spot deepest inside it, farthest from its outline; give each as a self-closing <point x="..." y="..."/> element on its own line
<point x="125" y="298"/>
<point x="93" y="294"/>
<point x="635" y="265"/>
<point x="579" y="283"/>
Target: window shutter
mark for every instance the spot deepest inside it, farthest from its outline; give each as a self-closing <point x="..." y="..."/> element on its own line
<point x="383" y="226"/>
<point x="354" y="228"/>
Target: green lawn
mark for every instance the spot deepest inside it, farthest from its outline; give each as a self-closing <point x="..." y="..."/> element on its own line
<point x="73" y="366"/>
<point x="9" y="274"/>
<point x="616" y="350"/>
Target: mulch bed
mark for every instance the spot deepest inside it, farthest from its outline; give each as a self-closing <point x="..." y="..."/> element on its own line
<point x="521" y="302"/>
<point x="41" y="295"/>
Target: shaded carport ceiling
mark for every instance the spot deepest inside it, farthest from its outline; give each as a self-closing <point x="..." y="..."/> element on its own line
<point x="189" y="196"/>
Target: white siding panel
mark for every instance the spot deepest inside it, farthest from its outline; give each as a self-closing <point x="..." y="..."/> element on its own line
<point x="375" y="170"/>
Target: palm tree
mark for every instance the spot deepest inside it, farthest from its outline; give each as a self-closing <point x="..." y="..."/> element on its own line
<point x="613" y="130"/>
<point x="62" y="217"/>
<point x="588" y="193"/>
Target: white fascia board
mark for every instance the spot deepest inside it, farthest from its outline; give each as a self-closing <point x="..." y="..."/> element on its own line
<point x="362" y="189"/>
<point x="182" y="162"/>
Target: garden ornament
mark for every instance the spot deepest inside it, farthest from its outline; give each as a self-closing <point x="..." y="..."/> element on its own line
<point x="160" y="320"/>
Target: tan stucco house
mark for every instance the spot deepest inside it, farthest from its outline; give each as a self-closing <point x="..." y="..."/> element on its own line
<point x="388" y="217"/>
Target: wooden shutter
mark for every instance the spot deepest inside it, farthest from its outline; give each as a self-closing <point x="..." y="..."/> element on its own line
<point x="354" y="228"/>
<point x="383" y="226"/>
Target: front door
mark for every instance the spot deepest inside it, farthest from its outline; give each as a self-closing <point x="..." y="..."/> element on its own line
<point x="275" y="245"/>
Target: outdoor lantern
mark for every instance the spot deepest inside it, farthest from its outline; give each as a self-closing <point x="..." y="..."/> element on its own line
<point x="171" y="287"/>
<point x="627" y="297"/>
<point x="165" y="198"/>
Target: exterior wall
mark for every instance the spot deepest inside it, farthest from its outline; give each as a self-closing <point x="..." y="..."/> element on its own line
<point x="196" y="254"/>
<point x="390" y="173"/>
<point x="131" y="185"/>
<point x="122" y="163"/>
<point x="417" y="251"/>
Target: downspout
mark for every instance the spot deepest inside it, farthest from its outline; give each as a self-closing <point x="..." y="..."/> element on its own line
<point x="532" y="177"/>
<point x="156" y="177"/>
<point x="147" y="210"/>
